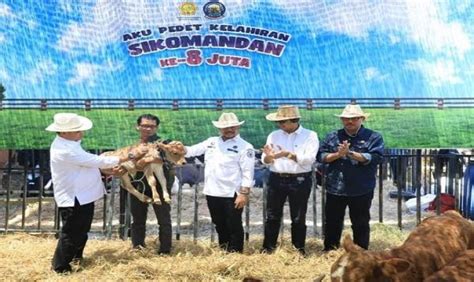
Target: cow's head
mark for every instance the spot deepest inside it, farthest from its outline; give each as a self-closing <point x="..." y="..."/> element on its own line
<point x="174" y="152"/>
<point x="357" y="264"/>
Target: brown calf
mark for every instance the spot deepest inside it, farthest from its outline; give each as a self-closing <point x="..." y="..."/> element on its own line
<point x="433" y="244"/>
<point x="152" y="165"/>
<point x="459" y="270"/>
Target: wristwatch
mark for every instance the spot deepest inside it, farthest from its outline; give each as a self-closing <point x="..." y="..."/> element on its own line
<point x="131" y="156"/>
<point x="350" y="153"/>
<point x="290" y="155"/>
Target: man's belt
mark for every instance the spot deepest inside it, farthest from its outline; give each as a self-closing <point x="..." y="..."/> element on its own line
<point x="290" y="175"/>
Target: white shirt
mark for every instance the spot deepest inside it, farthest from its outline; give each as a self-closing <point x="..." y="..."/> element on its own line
<point x="75" y="173"/>
<point x="303" y="143"/>
<point x="228" y="165"/>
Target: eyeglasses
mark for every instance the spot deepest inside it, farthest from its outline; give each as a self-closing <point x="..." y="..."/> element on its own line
<point x="148" y="126"/>
<point x="351" y="119"/>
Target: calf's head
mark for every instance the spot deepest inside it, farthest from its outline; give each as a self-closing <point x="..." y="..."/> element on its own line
<point x="174" y="152"/>
<point x="357" y="264"/>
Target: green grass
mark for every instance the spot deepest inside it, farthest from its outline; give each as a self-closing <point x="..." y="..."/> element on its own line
<point x="408" y="128"/>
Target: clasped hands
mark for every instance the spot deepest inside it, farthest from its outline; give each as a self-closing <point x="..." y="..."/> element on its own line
<point x="273" y="152"/>
<point x="343" y="149"/>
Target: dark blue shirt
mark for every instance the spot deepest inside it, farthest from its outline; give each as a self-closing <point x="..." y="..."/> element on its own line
<point x="348" y="177"/>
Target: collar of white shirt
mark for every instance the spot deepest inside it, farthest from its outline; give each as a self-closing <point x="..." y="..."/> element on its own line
<point x="297" y="131"/>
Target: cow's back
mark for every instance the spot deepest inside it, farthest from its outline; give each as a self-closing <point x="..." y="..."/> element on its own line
<point x="433" y="244"/>
<point x="436" y="241"/>
<point x="461" y="269"/>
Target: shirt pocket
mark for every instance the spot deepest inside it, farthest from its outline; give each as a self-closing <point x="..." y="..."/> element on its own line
<point x="361" y="146"/>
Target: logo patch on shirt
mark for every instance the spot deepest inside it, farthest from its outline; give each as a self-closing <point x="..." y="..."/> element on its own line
<point x="250" y="153"/>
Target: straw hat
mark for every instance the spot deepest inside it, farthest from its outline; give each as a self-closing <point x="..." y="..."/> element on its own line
<point x="69" y="122"/>
<point x="227" y="120"/>
<point x="351" y="111"/>
<point x="284" y="113"/>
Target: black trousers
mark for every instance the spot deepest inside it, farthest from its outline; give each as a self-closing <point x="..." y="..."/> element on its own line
<point x="228" y="222"/>
<point x="139" y="212"/>
<point x="76" y="223"/>
<point x="359" y="213"/>
<point x="297" y="190"/>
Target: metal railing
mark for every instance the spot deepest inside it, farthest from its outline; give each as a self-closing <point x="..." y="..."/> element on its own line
<point x="309" y="103"/>
<point x="407" y="171"/>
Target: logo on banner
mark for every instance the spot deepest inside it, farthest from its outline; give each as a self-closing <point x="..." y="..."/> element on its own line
<point x="214" y="10"/>
<point x="188" y="10"/>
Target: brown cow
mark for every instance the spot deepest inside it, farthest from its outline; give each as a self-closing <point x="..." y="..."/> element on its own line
<point x="460" y="270"/>
<point x="151" y="165"/>
<point x="432" y="245"/>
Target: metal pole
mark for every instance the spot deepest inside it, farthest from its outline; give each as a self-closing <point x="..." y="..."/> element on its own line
<point x="110" y="212"/>
<point x="380" y="193"/>
<point x="418" y="186"/>
<point x="195" y="219"/>
<point x="180" y="205"/>
<point x="313" y="189"/>
<point x="41" y="187"/>
<point x="264" y="199"/>
<point x="247" y="221"/>
<point x="8" y="190"/>
<point x="25" y="191"/>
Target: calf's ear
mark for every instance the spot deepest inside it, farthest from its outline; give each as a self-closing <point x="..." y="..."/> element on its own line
<point x="349" y="245"/>
<point x="394" y="267"/>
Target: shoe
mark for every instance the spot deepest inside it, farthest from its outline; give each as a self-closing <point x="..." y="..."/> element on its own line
<point x="63" y="270"/>
<point x="163" y="253"/>
<point x="138" y="247"/>
<point x="267" y="251"/>
<point x="302" y="252"/>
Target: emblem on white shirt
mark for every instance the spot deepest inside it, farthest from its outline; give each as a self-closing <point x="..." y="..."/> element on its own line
<point x="250" y="153"/>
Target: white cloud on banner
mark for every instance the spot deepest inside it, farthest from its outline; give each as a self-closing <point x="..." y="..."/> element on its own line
<point x="5" y="11"/>
<point x="373" y="73"/>
<point x="155" y="75"/>
<point x="88" y="72"/>
<point x="42" y="70"/>
<point x="4" y="75"/>
<point x="421" y="22"/>
<point x="439" y="72"/>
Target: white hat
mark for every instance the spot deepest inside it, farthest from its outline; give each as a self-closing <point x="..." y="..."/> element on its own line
<point x="227" y="120"/>
<point x="351" y="111"/>
<point x="284" y="113"/>
<point x="69" y="122"/>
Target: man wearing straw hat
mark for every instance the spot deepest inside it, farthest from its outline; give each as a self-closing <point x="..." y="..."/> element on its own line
<point x="77" y="185"/>
<point x="290" y="152"/>
<point x="352" y="155"/>
<point x="229" y="169"/>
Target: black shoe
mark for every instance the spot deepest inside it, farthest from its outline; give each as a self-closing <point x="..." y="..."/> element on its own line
<point x="267" y="251"/>
<point x="62" y="270"/>
<point x="164" y="253"/>
<point x="302" y="252"/>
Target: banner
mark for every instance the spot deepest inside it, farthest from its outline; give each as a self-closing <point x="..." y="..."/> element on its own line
<point x="168" y="49"/>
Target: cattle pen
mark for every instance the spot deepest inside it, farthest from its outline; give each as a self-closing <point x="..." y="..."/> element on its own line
<point x="30" y="221"/>
<point x="28" y="206"/>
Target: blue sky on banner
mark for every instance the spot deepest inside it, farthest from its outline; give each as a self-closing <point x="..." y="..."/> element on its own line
<point x="372" y="48"/>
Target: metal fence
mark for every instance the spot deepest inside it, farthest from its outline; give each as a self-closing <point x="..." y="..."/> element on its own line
<point x="404" y="173"/>
<point x="229" y="103"/>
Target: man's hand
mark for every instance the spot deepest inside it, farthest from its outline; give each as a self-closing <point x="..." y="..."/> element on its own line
<point x="115" y="171"/>
<point x="140" y="151"/>
<point x="343" y="148"/>
<point x="241" y="201"/>
<point x="271" y="154"/>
